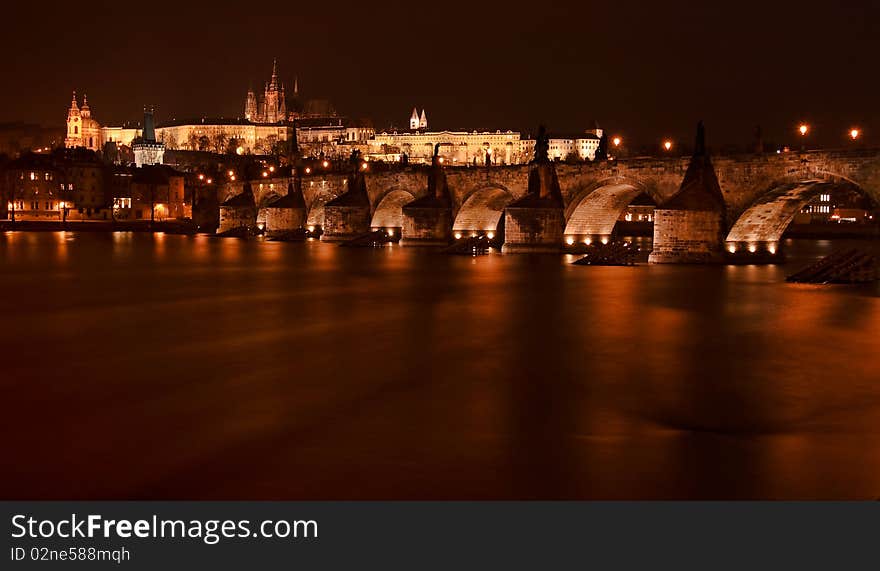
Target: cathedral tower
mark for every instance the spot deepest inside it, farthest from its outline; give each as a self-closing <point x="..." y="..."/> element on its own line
<point x="414" y="120"/>
<point x="272" y="106"/>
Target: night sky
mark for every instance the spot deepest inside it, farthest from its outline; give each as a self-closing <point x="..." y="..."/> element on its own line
<point x="645" y="72"/>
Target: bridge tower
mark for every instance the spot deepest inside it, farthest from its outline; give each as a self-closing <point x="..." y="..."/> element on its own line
<point x="535" y="222"/>
<point x="427" y="221"/>
<point x="689" y="227"/>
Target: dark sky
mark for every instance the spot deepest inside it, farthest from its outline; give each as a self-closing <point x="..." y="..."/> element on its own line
<point x="644" y="70"/>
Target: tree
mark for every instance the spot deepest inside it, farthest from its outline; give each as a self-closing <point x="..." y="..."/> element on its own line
<point x="204" y="143"/>
<point x="602" y="149"/>
<point x="231" y="146"/>
<point x="572" y="158"/>
<point x="111" y="153"/>
<point x="219" y="143"/>
<point x="192" y="141"/>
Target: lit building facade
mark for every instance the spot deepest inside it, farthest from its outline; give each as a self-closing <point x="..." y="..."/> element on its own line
<point x="456" y="147"/>
<point x="33" y="189"/>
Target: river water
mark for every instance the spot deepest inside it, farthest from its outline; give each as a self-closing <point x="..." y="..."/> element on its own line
<point x="140" y="366"/>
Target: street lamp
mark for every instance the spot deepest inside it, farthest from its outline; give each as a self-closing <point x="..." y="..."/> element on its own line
<point x="616" y="141"/>
<point x="854" y="133"/>
<point x="803" y="129"/>
<point x="667" y="145"/>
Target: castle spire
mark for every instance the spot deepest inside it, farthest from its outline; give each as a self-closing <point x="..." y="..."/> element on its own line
<point x="73" y="104"/>
<point x="295" y="86"/>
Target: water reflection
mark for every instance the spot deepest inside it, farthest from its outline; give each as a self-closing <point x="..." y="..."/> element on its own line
<point x="314" y="371"/>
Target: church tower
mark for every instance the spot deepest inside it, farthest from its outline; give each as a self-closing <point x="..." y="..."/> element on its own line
<point x="423" y="121"/>
<point x="250" y="106"/>
<point x="414" y="120"/>
<point x="74" y="125"/>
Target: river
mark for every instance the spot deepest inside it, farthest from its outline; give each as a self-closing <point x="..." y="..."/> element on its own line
<point x="143" y="366"/>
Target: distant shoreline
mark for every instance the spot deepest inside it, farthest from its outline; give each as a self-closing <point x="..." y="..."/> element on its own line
<point x="167" y="226"/>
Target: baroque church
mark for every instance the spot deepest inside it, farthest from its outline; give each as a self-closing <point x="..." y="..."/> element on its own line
<point x="272" y="106"/>
<point x="82" y="129"/>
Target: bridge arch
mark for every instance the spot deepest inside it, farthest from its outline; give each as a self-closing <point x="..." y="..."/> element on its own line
<point x="595" y="210"/>
<point x="389" y="210"/>
<point x="482" y="210"/>
<point x="761" y="225"/>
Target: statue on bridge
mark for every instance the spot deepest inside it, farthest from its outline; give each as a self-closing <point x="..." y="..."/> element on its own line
<point x="700" y="142"/>
<point x="542" y="146"/>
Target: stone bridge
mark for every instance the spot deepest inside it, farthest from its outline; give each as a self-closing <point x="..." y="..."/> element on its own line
<point x="762" y="193"/>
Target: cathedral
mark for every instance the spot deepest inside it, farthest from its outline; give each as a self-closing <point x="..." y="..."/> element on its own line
<point x="272" y="106"/>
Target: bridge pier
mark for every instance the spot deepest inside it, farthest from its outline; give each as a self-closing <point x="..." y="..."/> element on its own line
<point x="427" y="221"/>
<point x="535" y="223"/>
<point x="287" y="213"/>
<point x="532" y="228"/>
<point x="240" y="211"/>
<point x="689" y="227"/>
<point x="348" y="215"/>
